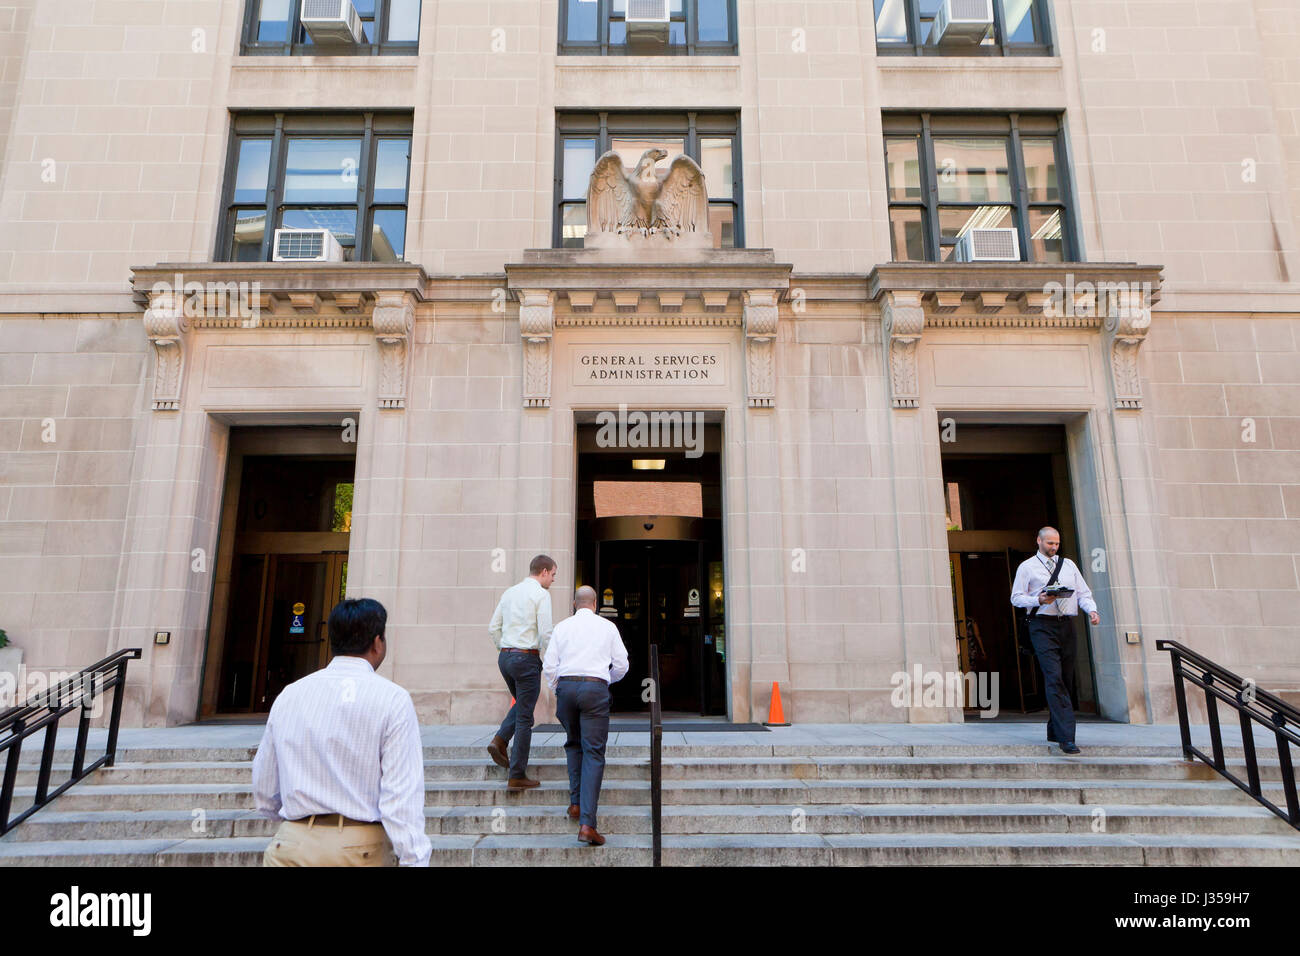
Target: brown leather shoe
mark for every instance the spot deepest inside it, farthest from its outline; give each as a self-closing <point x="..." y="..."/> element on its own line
<point x="499" y="751"/>
<point x="575" y="811"/>
<point x="522" y="783"/>
<point x="589" y="836"/>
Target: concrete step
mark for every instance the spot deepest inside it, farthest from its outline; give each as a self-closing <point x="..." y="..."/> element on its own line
<point x="711" y="849"/>
<point x="681" y="768"/>
<point x="31" y="754"/>
<point x="54" y="824"/>
<point x="1093" y="791"/>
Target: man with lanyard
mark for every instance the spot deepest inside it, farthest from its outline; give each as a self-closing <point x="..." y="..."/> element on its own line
<point x="1051" y="627"/>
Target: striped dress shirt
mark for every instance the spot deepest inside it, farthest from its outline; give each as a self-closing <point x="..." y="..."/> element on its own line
<point x="345" y="740"/>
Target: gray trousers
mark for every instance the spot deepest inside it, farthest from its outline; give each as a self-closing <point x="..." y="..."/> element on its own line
<point x="583" y="710"/>
<point x="523" y="675"/>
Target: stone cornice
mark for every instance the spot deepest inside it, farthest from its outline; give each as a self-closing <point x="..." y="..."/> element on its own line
<point x="282" y="279"/>
<point x="1012" y="278"/>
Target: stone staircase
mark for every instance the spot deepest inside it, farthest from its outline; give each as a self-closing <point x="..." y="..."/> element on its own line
<point x="740" y="804"/>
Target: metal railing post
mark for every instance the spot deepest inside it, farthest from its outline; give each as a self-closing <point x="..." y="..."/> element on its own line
<point x="1212" y="714"/>
<point x="119" y="690"/>
<point x="1288" y="771"/>
<point x="11" y="776"/>
<point x="1180" y="697"/>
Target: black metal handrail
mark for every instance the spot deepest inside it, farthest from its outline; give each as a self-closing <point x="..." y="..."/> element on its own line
<point x="43" y="712"/>
<point x="1252" y="706"/>
<point x="656" y="761"/>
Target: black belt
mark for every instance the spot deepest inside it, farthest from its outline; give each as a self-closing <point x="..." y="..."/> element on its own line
<point x="520" y="650"/>
<point x="598" y="680"/>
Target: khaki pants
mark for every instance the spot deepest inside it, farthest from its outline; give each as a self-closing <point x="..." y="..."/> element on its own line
<point x="312" y="843"/>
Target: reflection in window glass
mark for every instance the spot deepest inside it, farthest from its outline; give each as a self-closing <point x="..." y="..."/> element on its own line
<point x="252" y="171"/>
<point x="582" y="21"/>
<point x="907" y="234"/>
<point x="404" y="21"/>
<point x="273" y="21"/>
<point x="1018" y="21"/>
<point x="714" y="21"/>
<point x="1046" y="241"/>
<point x="972" y="169"/>
<point x="1040" y="170"/>
<point x="250" y="227"/>
<point x="891" y="21"/>
<point x="715" y="159"/>
<point x="573" y="229"/>
<point x="903" y="168"/>
<point x="928" y="9"/>
<point x="955" y="222"/>
<point x="341" y="222"/>
<point x="322" y="170"/>
<point x="392" y="158"/>
<point x="579" y="161"/>
<point x="722" y="225"/>
<point x="388" y="236"/>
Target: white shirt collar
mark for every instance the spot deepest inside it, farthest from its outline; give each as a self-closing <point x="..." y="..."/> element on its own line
<point x="350" y="662"/>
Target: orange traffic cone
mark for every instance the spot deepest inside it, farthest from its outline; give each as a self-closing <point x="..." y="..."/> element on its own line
<point x="775" y="712"/>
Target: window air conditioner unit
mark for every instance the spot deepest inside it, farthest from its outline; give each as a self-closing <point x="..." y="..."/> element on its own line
<point x="331" y="21"/>
<point x="961" y="21"/>
<point x="306" y="245"/>
<point x="648" y="21"/>
<point x="988" y="245"/>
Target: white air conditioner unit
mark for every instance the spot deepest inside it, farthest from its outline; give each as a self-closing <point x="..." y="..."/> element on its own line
<point x="988" y="245"/>
<point x="306" y="245"/>
<point x="648" y="21"/>
<point x="331" y="21"/>
<point x="962" y="21"/>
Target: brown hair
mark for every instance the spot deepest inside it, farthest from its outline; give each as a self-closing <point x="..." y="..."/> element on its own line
<point x="543" y="562"/>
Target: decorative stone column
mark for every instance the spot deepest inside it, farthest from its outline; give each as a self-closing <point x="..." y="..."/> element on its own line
<point x="903" y="319"/>
<point x="1127" y="321"/>
<point x="165" y="325"/>
<point x="537" y="327"/>
<point x="393" y="319"/>
<point x="761" y="316"/>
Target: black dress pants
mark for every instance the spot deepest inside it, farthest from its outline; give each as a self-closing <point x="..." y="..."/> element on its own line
<point x="1054" y="641"/>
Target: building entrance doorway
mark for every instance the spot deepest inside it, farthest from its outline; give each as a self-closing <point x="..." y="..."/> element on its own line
<point x="282" y="566"/>
<point x="1001" y="484"/>
<point x="649" y="540"/>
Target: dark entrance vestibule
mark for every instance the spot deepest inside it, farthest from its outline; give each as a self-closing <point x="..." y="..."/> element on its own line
<point x="649" y="540"/>
<point x="282" y="564"/>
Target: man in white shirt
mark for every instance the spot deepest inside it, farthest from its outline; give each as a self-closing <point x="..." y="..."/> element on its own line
<point x="1051" y="627"/>
<point x="520" y="628"/>
<point x="585" y="656"/>
<point x="340" y="763"/>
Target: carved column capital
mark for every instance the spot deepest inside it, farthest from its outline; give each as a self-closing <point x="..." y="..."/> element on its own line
<point x="1127" y="319"/>
<point x="393" y="319"/>
<point x="165" y="325"/>
<point x="537" y="328"/>
<point x="761" y="318"/>
<point x="902" y="319"/>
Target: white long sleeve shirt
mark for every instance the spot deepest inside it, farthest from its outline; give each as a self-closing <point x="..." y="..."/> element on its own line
<point x="585" y="645"/>
<point x="1032" y="577"/>
<point x="523" y="617"/>
<point x="345" y="740"/>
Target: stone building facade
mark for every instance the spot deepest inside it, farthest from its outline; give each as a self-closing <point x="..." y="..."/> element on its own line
<point x="866" y="389"/>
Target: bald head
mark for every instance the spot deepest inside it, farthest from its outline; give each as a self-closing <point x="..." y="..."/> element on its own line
<point x="1049" y="541"/>
<point x="585" y="597"/>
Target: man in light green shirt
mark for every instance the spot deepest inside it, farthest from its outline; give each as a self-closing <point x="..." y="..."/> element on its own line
<point x="521" y="629"/>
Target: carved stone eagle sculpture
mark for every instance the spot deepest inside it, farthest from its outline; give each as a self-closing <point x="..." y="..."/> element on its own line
<point x="619" y="205"/>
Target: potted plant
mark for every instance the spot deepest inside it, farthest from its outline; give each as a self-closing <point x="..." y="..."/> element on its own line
<point x="10" y="656"/>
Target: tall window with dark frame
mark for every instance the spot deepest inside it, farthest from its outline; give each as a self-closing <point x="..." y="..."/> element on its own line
<point x="648" y="27"/>
<point x="963" y="27"/>
<point x="949" y="174"/>
<point x="711" y="139"/>
<point x="345" y="173"/>
<point x="385" y="27"/>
